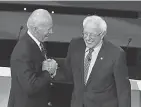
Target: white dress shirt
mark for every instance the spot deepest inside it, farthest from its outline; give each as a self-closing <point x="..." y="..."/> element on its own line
<point x="36" y="41"/>
<point x="94" y="57"/>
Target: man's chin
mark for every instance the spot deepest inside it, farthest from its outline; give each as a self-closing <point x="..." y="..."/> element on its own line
<point x="89" y="46"/>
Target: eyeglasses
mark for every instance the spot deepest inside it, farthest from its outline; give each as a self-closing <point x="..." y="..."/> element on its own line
<point x="91" y="35"/>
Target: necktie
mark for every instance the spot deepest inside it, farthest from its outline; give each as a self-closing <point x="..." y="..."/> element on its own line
<point x="44" y="51"/>
<point x="87" y="64"/>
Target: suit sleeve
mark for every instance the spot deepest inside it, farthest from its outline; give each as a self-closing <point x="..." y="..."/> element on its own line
<point x="29" y="78"/>
<point x="122" y="81"/>
<point x="64" y="73"/>
<point x="67" y="64"/>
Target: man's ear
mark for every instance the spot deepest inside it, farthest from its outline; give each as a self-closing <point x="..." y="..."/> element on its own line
<point x="32" y="29"/>
<point x="36" y="30"/>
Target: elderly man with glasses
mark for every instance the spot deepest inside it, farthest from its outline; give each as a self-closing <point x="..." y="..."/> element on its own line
<point x="97" y="68"/>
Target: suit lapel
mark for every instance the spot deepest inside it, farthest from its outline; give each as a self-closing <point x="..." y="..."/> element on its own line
<point x="98" y="62"/>
<point x="34" y="44"/>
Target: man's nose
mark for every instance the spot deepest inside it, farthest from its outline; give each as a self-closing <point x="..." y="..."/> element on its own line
<point x="88" y="37"/>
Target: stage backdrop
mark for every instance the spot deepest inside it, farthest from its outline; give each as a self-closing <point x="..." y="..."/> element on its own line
<point x="68" y="26"/>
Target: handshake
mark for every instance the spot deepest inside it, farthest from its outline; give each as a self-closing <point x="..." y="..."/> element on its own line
<point x="51" y="66"/>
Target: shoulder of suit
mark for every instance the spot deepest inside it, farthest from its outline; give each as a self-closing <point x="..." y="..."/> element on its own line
<point x="22" y="47"/>
<point x="117" y="50"/>
<point x="23" y="42"/>
<point x="77" y="40"/>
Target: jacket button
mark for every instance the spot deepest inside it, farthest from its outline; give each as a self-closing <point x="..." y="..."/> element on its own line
<point x="49" y="104"/>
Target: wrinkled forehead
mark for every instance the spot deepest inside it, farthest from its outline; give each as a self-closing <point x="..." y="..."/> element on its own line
<point x="92" y="28"/>
<point x="45" y="26"/>
<point x="45" y="23"/>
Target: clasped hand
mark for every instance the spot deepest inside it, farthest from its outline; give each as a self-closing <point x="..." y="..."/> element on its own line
<point x="50" y="65"/>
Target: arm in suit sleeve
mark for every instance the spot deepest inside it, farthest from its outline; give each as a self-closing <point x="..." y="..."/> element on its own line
<point x="30" y="80"/>
<point x="64" y="73"/>
<point x="122" y="81"/>
<point x="67" y="64"/>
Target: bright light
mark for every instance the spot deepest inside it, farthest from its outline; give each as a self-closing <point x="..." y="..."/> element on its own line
<point x="24" y="9"/>
<point x="52" y="12"/>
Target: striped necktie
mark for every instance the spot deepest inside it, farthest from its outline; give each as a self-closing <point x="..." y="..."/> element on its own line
<point x="87" y="61"/>
<point x="43" y="50"/>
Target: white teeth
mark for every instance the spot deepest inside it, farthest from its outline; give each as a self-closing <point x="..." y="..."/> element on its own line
<point x="89" y="42"/>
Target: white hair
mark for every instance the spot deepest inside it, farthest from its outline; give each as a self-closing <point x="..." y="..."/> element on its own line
<point x="37" y="17"/>
<point x="95" y="21"/>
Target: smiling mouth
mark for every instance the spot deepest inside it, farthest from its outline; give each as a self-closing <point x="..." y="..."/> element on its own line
<point x="89" y="42"/>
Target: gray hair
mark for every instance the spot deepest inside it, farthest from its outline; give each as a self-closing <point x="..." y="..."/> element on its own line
<point x="96" y="21"/>
<point x="37" y="17"/>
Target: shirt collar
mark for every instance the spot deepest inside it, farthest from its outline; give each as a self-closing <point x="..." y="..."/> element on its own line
<point x="36" y="41"/>
<point x="96" y="48"/>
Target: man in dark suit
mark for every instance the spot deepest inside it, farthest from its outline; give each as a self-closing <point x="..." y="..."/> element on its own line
<point x="30" y="82"/>
<point x="97" y="68"/>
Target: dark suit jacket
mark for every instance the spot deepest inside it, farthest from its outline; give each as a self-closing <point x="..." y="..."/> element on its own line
<point x="108" y="84"/>
<point x="29" y="84"/>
